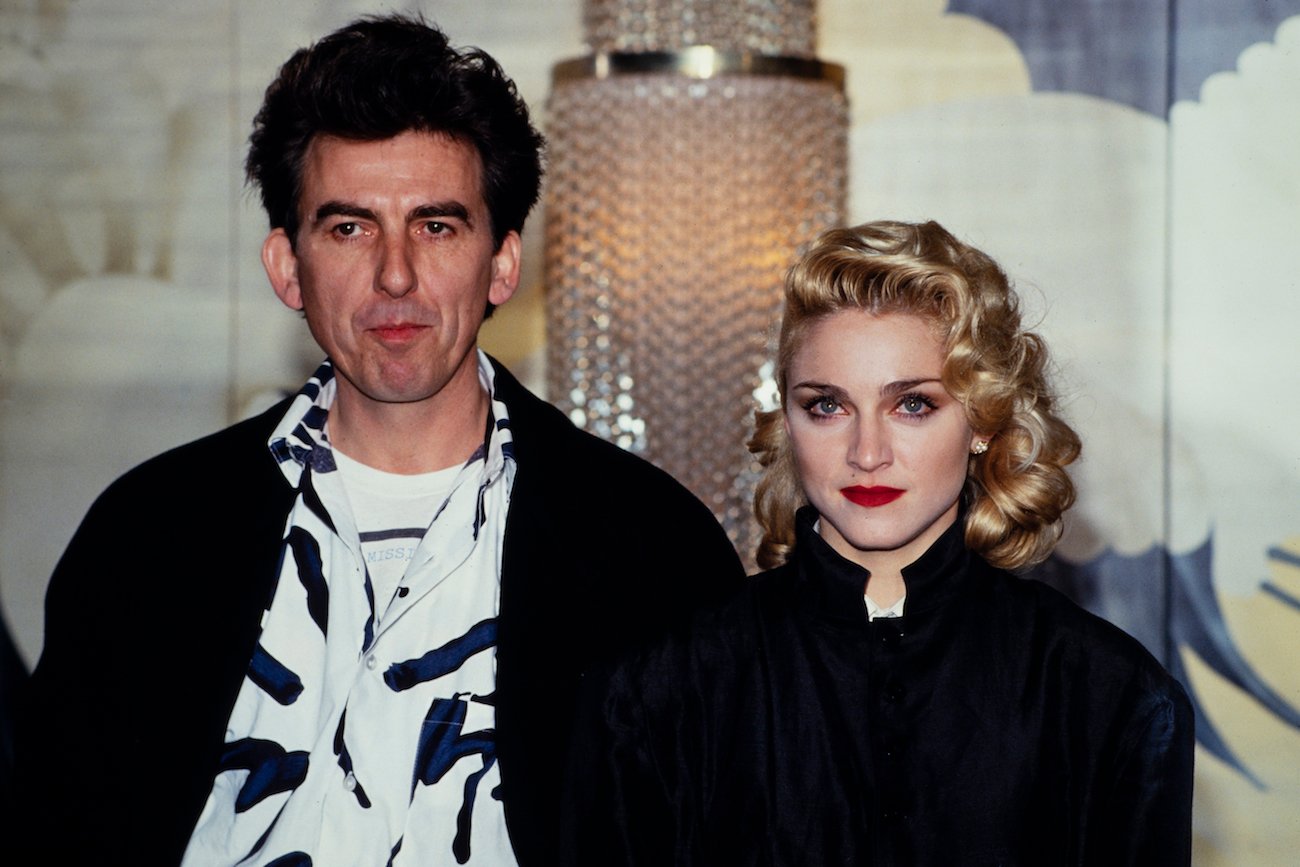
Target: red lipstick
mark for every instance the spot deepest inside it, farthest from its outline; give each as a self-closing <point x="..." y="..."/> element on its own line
<point x="878" y="495"/>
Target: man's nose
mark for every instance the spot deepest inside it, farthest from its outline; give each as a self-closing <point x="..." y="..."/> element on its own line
<point x="396" y="272"/>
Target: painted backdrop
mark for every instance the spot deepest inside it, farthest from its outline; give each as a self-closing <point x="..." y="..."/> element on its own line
<point x="1131" y="162"/>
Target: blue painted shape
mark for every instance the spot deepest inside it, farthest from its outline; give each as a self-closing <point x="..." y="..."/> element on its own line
<point x="1134" y="52"/>
<point x="443" y="742"/>
<point x="345" y="762"/>
<point x="392" y="855"/>
<point x="310" y="499"/>
<point x="451" y="656"/>
<point x="314" y="418"/>
<point x="273" y="677"/>
<point x="460" y="844"/>
<point x="1281" y="595"/>
<point x="1168" y="602"/>
<point x="1114" y="49"/>
<point x="266" y="835"/>
<point x="293" y="859"/>
<point x="311" y="573"/>
<point x="1283" y="556"/>
<point x="1211" y="34"/>
<point x="271" y="770"/>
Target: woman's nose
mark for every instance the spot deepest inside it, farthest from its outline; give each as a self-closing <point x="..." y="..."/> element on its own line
<point x="870" y="448"/>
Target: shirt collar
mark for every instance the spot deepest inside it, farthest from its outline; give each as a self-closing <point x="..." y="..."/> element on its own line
<point x="300" y="440"/>
<point x="833" y="585"/>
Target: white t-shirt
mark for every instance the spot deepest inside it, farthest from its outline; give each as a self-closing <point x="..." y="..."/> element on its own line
<point x="392" y="512"/>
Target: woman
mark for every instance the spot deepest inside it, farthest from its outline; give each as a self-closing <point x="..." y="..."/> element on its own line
<point x="888" y="693"/>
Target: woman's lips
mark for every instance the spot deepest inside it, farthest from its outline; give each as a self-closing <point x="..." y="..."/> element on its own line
<point x="870" y="497"/>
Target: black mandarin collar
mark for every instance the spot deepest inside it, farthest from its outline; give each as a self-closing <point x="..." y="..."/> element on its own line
<point x="833" y="586"/>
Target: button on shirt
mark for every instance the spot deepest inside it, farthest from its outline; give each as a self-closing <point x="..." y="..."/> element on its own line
<point x="364" y="732"/>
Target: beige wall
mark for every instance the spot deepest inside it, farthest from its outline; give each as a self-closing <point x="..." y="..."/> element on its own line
<point x="1159" y="253"/>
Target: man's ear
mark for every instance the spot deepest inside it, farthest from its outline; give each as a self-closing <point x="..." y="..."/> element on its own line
<point x="505" y="269"/>
<point x="281" y="266"/>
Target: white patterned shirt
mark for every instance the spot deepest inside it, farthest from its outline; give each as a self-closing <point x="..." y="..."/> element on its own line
<point x="364" y="732"/>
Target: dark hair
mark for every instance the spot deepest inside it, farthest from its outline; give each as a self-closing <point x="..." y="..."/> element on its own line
<point x="377" y="78"/>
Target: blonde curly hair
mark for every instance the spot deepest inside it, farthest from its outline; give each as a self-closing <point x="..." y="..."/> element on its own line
<point x="1017" y="492"/>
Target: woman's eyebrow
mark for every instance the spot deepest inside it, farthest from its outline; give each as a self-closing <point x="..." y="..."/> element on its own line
<point x="890" y="389"/>
<point x="825" y="387"/>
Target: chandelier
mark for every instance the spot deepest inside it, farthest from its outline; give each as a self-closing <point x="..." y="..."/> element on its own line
<point x="693" y="153"/>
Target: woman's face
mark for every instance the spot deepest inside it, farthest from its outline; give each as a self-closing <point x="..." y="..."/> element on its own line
<point x="880" y="446"/>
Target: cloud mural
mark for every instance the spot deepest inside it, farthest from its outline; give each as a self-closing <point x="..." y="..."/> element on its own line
<point x="1132" y="165"/>
<point x="1158" y="253"/>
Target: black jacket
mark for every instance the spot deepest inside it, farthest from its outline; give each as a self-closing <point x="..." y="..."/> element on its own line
<point x="995" y="723"/>
<point x="152" y="616"/>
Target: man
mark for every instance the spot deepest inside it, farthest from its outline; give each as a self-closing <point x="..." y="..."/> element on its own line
<point x="351" y="630"/>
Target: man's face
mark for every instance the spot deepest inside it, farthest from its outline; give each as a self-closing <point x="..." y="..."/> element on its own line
<point x="394" y="263"/>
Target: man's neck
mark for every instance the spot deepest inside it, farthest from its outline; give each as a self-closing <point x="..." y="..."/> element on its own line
<point x="441" y="431"/>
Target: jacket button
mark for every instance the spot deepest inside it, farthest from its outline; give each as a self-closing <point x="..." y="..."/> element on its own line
<point x="893" y="691"/>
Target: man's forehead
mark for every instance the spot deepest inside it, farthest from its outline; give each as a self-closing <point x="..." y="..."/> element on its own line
<point x="414" y="157"/>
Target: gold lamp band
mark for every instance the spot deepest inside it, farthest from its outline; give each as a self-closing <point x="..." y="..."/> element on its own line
<point x="698" y="61"/>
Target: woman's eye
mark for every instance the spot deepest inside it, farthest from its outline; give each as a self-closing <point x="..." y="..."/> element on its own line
<point x="825" y="406"/>
<point x="915" y="404"/>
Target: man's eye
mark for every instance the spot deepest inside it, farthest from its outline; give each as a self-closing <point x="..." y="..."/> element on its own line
<point x="435" y="227"/>
<point x="347" y="230"/>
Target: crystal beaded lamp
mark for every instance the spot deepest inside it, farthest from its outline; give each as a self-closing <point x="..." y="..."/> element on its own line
<point x="693" y="154"/>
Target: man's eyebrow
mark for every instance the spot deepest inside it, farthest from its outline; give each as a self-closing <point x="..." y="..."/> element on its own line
<point x="343" y="209"/>
<point x="423" y="212"/>
<point x="442" y="209"/>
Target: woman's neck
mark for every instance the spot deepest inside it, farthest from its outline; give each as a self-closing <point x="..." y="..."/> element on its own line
<point x="886" y="588"/>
